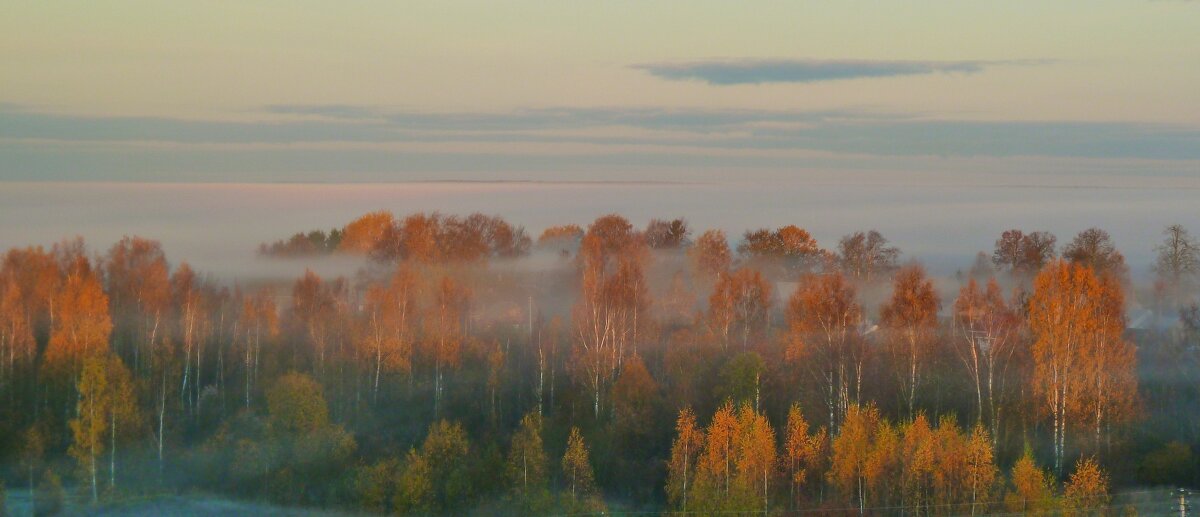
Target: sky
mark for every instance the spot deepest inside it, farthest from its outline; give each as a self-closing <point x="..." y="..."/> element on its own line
<point x="1060" y="92"/>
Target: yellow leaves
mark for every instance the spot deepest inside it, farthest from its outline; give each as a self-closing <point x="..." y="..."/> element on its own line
<point x="689" y="439"/>
<point x="1031" y="491"/>
<point x="389" y="323"/>
<point x="106" y="403"/>
<point x="851" y="450"/>
<point x="363" y="234"/>
<point x="1087" y="489"/>
<point x="527" y="457"/>
<point x="738" y="461"/>
<point x="981" y="469"/>
<point x="755" y="448"/>
<point x="576" y="467"/>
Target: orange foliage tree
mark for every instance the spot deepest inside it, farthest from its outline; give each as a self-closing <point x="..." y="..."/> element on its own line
<point x="824" y="322"/>
<point x="910" y="316"/>
<point x="1083" y="368"/>
<point x="386" y="334"/>
<point x="1087" y="490"/>
<point x="1032" y="491"/>
<point x="804" y="455"/>
<point x="136" y="275"/>
<point x="318" y="310"/>
<point x="29" y="282"/>
<point x="82" y="324"/>
<point x="790" y="249"/>
<point x="739" y="306"/>
<point x="986" y="342"/>
<point x="612" y="303"/>
<point x="685" y="452"/>
<point x="710" y="255"/>
<point x="364" y="234"/>
<point x="852" y="454"/>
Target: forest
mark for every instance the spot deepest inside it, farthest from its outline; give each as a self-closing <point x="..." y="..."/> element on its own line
<point x="468" y="368"/>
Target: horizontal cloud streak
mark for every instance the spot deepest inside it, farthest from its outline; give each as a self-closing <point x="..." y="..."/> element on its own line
<point x="757" y="71"/>
<point x="307" y="138"/>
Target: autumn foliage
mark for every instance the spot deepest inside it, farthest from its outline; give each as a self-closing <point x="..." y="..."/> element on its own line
<point x="640" y="368"/>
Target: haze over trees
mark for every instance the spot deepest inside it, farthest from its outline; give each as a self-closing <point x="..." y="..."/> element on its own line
<point x="469" y="370"/>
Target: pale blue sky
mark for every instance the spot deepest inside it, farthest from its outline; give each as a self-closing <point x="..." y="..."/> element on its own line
<point x="378" y="90"/>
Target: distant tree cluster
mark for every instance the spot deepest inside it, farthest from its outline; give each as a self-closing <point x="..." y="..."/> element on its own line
<point x="423" y="237"/>
<point x="647" y="371"/>
<point x="315" y="242"/>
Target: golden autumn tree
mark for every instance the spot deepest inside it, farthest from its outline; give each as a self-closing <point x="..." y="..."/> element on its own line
<point x="1032" y="490"/>
<point x="1082" y="365"/>
<point x="824" y="322"/>
<point x="139" y="290"/>
<point x="805" y="455"/>
<point x="882" y="471"/>
<point x="87" y="428"/>
<point x="418" y="238"/>
<point x="796" y="450"/>
<point x="910" y="317"/>
<point x="918" y="451"/>
<point x="1087" y="490"/>
<point x="756" y="455"/>
<point x="1109" y="384"/>
<point x="738" y="463"/>
<point x="81" y="325"/>
<point x="981" y="472"/>
<point x="527" y="459"/>
<point x="685" y="451"/>
<point x="710" y="255"/>
<point x="613" y="302"/>
<point x="29" y="282"/>
<point x="739" y="306"/>
<point x="986" y="342"/>
<point x="106" y="401"/>
<point x="788" y="250"/>
<point x="950" y="456"/>
<point x="576" y="467"/>
<point x="715" y="468"/>
<point x="363" y="234"/>
<point x="851" y="453"/>
<point x="387" y="326"/>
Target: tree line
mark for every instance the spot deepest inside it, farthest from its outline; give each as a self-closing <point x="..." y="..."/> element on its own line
<point x="634" y="369"/>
